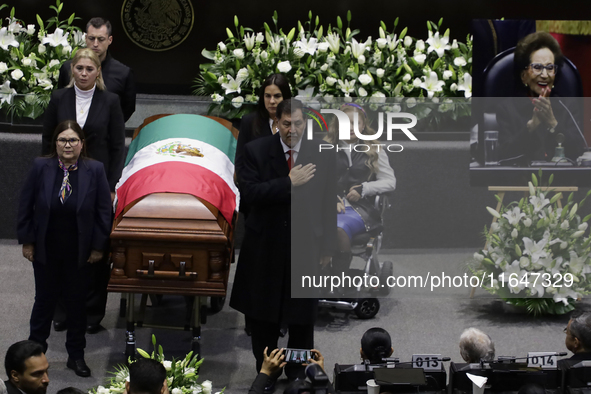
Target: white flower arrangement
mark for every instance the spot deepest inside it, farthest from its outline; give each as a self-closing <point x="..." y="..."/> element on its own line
<point x="181" y="375"/>
<point x="537" y="254"/>
<point x="30" y="59"/>
<point x="334" y="62"/>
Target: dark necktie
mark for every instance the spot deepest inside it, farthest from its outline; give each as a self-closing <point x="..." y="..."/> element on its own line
<point x="290" y="159"/>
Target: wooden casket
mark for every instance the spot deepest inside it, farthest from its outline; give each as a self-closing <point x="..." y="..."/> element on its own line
<point x="176" y="241"/>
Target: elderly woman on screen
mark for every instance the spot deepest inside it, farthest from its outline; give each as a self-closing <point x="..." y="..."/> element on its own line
<point x="64" y="222"/>
<point x="536" y="121"/>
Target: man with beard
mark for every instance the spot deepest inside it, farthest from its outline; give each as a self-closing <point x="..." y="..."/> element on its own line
<point x="26" y="367"/>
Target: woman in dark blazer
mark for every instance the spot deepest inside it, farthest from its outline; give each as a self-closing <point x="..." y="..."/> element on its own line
<point x="64" y="222"/>
<point x="263" y="121"/>
<point x="99" y="114"/>
<point x="95" y="109"/>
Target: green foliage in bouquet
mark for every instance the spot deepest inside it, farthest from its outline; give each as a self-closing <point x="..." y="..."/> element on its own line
<point x="537" y="254"/>
<point x="181" y="375"/>
<point x="331" y="62"/>
<point x="30" y="59"/>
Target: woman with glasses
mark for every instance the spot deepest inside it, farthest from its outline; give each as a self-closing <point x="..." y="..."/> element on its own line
<point x="98" y="112"/>
<point x="534" y="123"/>
<point x="64" y="222"/>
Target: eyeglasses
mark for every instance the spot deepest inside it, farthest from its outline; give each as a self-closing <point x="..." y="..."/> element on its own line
<point x="538" y="68"/>
<point x="72" y="141"/>
<point x="565" y="330"/>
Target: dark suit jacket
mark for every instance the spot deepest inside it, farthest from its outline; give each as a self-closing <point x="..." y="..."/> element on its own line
<point x="104" y="128"/>
<point x="263" y="281"/>
<point x="94" y="206"/>
<point x="11" y="388"/>
<point x="246" y="135"/>
<point x="515" y="140"/>
<point x="118" y="79"/>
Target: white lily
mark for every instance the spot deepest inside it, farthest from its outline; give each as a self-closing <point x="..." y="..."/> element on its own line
<point x="249" y="39"/>
<point x="535" y="249"/>
<point x="514" y="216"/>
<point x="334" y="42"/>
<point x="7" y="39"/>
<point x="305" y="94"/>
<point x="6" y="93"/>
<point x="466" y="85"/>
<point x="538" y="202"/>
<point x="563" y="294"/>
<point x="274" y="43"/>
<point x="56" y="39"/>
<point x="347" y="87"/>
<point x="232" y="85"/>
<point x="432" y="84"/>
<point x="577" y="264"/>
<point x="437" y="43"/>
<point x="357" y="48"/>
<point x="307" y="46"/>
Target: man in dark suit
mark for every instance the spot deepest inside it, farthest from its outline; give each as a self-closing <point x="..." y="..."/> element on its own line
<point x="117" y="76"/>
<point x="26" y="367"/>
<point x="578" y="340"/>
<point x="290" y="230"/>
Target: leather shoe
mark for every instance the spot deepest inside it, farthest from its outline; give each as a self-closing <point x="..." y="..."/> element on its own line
<point x="79" y="366"/>
<point x="93" y="328"/>
<point x="59" y="325"/>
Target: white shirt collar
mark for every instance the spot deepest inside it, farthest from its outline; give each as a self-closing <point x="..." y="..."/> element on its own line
<point x="295" y="148"/>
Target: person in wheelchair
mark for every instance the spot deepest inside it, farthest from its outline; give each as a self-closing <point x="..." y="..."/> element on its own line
<point x="360" y="177"/>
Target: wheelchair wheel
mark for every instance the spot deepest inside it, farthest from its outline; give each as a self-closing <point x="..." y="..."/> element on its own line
<point x="367" y="308"/>
<point x="386" y="271"/>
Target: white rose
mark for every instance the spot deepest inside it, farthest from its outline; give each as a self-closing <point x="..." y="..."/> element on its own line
<point x="176" y="390"/>
<point x="411" y="102"/>
<point x="447" y="74"/>
<point x="361" y="59"/>
<point x="67" y="49"/>
<point x="478" y="257"/>
<point x="41" y="49"/>
<point x="378" y="97"/>
<point x="380" y="72"/>
<point x="454" y="87"/>
<point x="331" y="81"/>
<point x="284" y="66"/>
<point x="406" y="78"/>
<point x="27" y="61"/>
<point x="16" y="74"/>
<point x="221" y="79"/>
<point x="523" y="262"/>
<point x="3" y="67"/>
<point x="417" y="82"/>
<point x="167" y="365"/>
<point x="217" y="98"/>
<point x="239" y="53"/>
<point x="420" y="45"/>
<point x="563" y="245"/>
<point x="30" y="29"/>
<point x="222" y="46"/>
<point x="514" y="233"/>
<point x="583" y="226"/>
<point x="53" y="63"/>
<point x="420" y="58"/>
<point x="382" y="42"/>
<point x="396" y="108"/>
<point x="454" y="44"/>
<point x="364" y="79"/>
<point x="206" y="386"/>
<point x="527" y="222"/>
<point x="237" y="101"/>
<point x="362" y="92"/>
<point x="564" y="225"/>
<point x="264" y="55"/>
<point x="460" y="61"/>
<point x="260" y="37"/>
<point x="242" y="74"/>
<point x="323" y="47"/>
<point x="407" y="41"/>
<point x="324" y="67"/>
